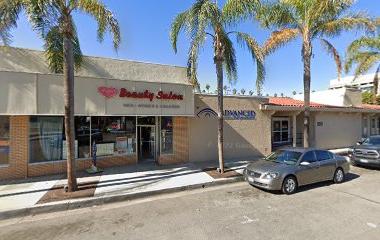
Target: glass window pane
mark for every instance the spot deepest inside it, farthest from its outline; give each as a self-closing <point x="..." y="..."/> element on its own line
<point x="285" y="125"/>
<point x="276" y="126"/>
<point x="166" y="135"/>
<point x="4" y="140"/>
<point x="45" y="139"/>
<point x="285" y="137"/>
<point x="82" y="136"/>
<point x="309" y="157"/>
<point x="322" y="155"/>
<point x="277" y="137"/>
<point x="114" y="135"/>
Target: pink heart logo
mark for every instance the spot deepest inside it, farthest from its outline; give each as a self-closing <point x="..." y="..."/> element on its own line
<point x="107" y="92"/>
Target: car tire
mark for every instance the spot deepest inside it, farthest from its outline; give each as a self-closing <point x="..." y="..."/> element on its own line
<point x="339" y="176"/>
<point x="289" y="185"/>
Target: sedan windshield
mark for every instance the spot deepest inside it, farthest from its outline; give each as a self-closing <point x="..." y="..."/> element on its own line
<point x="372" y="141"/>
<point x="284" y="156"/>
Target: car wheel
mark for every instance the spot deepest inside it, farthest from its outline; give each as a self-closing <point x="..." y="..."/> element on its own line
<point x="339" y="175"/>
<point x="290" y="185"/>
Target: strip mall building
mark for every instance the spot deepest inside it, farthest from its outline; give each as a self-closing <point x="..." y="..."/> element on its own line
<point x="141" y="112"/>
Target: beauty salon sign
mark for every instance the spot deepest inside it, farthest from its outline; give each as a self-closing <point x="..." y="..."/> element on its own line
<point x="110" y="92"/>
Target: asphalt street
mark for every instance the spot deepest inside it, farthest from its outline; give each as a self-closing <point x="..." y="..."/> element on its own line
<point x="236" y="211"/>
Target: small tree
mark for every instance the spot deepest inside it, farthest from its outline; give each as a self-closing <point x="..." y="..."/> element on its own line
<point x="242" y="91"/>
<point x="234" y="91"/>
<point x="294" y="93"/>
<point x="208" y="88"/>
<point x="251" y="93"/>
<point x="225" y="88"/>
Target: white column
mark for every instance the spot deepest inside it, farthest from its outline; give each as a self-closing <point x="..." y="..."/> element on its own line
<point x="294" y="118"/>
<point x="369" y="125"/>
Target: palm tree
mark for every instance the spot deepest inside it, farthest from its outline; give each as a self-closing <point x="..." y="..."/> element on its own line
<point x="365" y="53"/>
<point x="206" y="19"/>
<point x="208" y="88"/>
<point x="308" y="20"/>
<point x="53" y="21"/>
<point x="242" y="91"/>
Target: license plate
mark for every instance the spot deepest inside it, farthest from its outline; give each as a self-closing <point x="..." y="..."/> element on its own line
<point x="364" y="160"/>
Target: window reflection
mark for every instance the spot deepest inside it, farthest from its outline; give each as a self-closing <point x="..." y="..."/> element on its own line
<point x="167" y="135"/>
<point x="4" y="140"/>
<point x="114" y="135"/>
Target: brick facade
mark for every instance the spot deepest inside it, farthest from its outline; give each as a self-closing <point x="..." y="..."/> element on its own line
<point x="19" y="166"/>
<point x="18" y="145"/>
<point x="180" y="143"/>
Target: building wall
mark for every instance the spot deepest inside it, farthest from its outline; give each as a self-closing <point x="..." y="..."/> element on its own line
<point x="180" y="143"/>
<point x="33" y="94"/>
<point x="243" y="139"/>
<point x="339" y="130"/>
<point x="32" y="61"/>
<point x="18" y="155"/>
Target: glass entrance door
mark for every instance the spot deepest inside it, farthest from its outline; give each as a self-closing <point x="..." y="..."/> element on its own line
<point x="147" y="143"/>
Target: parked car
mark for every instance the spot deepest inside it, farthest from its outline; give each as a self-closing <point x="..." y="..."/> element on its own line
<point x="289" y="168"/>
<point x="367" y="152"/>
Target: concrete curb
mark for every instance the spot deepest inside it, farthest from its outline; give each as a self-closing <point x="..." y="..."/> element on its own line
<point x="94" y="201"/>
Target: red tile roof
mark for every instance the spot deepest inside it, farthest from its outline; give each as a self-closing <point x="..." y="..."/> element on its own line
<point x="290" y="102"/>
<point x="371" y="107"/>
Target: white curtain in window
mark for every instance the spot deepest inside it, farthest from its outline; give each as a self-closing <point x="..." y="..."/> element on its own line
<point x="50" y="140"/>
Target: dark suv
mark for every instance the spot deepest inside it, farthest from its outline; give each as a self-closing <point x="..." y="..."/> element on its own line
<point x="367" y="152"/>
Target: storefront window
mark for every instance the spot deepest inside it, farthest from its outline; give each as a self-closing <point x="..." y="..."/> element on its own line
<point x="4" y="140"/>
<point x="114" y="135"/>
<point x="166" y="135"/>
<point x="46" y="139"/>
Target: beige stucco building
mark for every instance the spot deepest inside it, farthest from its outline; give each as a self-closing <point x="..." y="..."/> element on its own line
<point x="147" y="113"/>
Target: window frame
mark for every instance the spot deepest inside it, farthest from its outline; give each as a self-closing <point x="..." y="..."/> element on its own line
<point x="6" y="145"/>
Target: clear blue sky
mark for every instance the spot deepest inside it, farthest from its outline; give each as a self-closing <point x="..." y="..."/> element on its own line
<point x="145" y="28"/>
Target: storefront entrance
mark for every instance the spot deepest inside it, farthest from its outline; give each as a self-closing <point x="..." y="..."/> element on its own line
<point x="147" y="143"/>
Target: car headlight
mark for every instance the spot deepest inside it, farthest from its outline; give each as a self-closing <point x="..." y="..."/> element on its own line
<point x="271" y="175"/>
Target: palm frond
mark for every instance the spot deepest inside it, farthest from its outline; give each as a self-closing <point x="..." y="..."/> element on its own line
<point x="364" y="60"/>
<point x="358" y="21"/>
<point x="54" y="50"/>
<point x="192" y="64"/>
<point x="357" y="49"/>
<point x="178" y="24"/>
<point x="104" y="17"/>
<point x="9" y="13"/>
<point x="43" y="15"/>
<point x="240" y="9"/>
<point x="280" y="15"/>
<point x="279" y="38"/>
<point x="229" y="56"/>
<point x="257" y="55"/>
<point x="364" y="42"/>
<point x="331" y="50"/>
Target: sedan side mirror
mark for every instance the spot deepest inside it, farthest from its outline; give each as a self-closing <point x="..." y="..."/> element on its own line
<point x="304" y="163"/>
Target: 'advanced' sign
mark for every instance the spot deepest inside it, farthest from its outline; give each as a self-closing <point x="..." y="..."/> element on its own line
<point x="228" y="114"/>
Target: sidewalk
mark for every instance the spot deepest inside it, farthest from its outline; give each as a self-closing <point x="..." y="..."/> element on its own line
<point x="114" y="183"/>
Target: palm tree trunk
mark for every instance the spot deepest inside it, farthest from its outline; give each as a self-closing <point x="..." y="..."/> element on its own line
<point x="219" y="73"/>
<point x="68" y="75"/>
<point x="376" y="85"/>
<point x="306" y="82"/>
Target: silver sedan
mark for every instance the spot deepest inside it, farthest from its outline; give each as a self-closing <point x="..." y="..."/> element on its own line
<point x="287" y="169"/>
